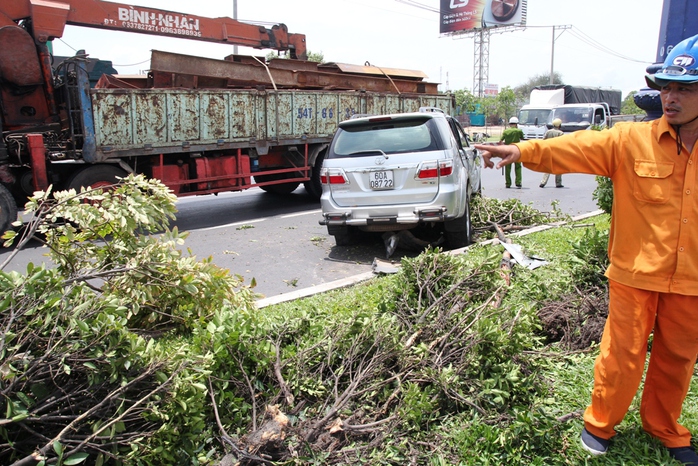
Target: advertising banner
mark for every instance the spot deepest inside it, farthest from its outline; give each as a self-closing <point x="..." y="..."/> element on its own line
<point x="468" y="15"/>
<point x="492" y="89"/>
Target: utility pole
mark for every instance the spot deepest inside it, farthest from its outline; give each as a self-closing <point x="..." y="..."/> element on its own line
<point x="552" y="52"/>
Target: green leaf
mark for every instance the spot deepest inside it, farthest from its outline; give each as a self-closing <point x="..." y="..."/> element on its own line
<point x="83" y="326"/>
<point x="76" y="458"/>
<point x="28" y="402"/>
<point x="200" y="386"/>
<point x="58" y="448"/>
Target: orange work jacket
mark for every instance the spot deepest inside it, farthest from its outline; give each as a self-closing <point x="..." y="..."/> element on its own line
<point x="653" y="243"/>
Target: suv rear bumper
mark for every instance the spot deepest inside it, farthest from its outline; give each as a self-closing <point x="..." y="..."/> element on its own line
<point x="363" y="217"/>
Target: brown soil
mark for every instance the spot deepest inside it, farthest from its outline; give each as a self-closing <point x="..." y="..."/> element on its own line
<point x="576" y="320"/>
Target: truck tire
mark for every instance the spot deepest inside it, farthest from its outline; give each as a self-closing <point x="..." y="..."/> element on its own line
<point x="459" y="232"/>
<point x="96" y="176"/>
<point x="8" y="210"/>
<point x="314" y="185"/>
<point x="282" y="188"/>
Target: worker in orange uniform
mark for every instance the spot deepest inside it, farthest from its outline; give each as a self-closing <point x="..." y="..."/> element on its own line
<point x="653" y="252"/>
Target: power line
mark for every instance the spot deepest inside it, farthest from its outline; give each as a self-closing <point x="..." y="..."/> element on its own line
<point x="416" y="4"/>
<point x="590" y="41"/>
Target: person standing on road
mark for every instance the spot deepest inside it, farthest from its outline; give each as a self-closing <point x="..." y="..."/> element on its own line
<point x="553" y="133"/>
<point x="512" y="135"/>
<point x="653" y="252"/>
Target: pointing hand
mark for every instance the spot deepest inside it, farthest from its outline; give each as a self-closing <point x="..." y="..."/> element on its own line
<point x="508" y="153"/>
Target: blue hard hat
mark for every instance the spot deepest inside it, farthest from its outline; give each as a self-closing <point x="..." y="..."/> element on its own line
<point x="681" y="65"/>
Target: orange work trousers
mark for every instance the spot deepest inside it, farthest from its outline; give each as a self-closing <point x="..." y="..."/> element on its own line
<point x="633" y="314"/>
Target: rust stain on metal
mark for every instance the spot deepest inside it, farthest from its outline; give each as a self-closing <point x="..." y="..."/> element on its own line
<point x="182" y="119"/>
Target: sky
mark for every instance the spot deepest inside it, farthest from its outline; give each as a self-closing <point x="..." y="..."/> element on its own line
<point x="610" y="43"/>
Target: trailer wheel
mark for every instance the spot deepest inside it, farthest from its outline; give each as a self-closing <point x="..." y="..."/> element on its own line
<point x="96" y="176"/>
<point x="314" y="185"/>
<point x="282" y="188"/>
<point x="8" y="209"/>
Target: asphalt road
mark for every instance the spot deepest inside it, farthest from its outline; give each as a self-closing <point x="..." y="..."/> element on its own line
<point x="277" y="241"/>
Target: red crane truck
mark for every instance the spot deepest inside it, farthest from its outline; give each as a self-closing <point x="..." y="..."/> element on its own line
<point x="200" y="125"/>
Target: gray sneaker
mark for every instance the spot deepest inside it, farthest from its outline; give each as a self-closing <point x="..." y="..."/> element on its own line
<point x="593" y="444"/>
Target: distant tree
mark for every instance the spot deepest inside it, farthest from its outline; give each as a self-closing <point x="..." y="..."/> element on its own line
<point x="523" y="91"/>
<point x="506" y="103"/>
<point x="465" y="100"/>
<point x="317" y="57"/>
<point x="502" y="106"/>
<point x="489" y="106"/>
<point x="628" y="107"/>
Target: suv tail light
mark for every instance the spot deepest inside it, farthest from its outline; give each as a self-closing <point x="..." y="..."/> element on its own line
<point x="333" y="176"/>
<point x="434" y="169"/>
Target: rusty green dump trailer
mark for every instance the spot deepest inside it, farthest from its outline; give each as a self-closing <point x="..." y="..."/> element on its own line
<point x="203" y="141"/>
<point x="207" y="126"/>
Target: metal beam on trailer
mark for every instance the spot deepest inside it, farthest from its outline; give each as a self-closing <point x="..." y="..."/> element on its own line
<point x="176" y="70"/>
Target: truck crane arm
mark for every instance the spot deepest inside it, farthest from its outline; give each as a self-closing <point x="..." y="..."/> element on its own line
<point x="49" y="17"/>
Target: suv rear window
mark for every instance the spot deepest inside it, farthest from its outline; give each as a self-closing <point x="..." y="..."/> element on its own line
<point x="390" y="137"/>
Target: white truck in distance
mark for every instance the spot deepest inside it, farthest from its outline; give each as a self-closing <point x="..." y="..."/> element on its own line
<point x="536" y="117"/>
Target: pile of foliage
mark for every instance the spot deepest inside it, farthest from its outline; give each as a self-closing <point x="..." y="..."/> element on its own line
<point x="131" y="351"/>
<point x="509" y="215"/>
<point x="603" y="194"/>
<point x="82" y="373"/>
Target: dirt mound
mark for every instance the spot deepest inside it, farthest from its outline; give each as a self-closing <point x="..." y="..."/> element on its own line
<point x="576" y="320"/>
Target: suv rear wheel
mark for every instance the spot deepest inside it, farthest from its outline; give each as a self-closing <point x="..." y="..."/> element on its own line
<point x="459" y="232"/>
<point x="343" y="235"/>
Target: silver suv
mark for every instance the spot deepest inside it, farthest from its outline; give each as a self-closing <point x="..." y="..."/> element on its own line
<point x="389" y="173"/>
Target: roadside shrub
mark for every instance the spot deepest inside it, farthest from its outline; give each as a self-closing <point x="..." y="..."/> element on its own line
<point x="94" y="366"/>
<point x="362" y="375"/>
<point x="452" y="315"/>
<point x="589" y="259"/>
<point x="509" y="214"/>
<point x="603" y="194"/>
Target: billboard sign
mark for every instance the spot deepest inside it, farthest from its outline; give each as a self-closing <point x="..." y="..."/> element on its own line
<point x="491" y="90"/>
<point x="468" y="15"/>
